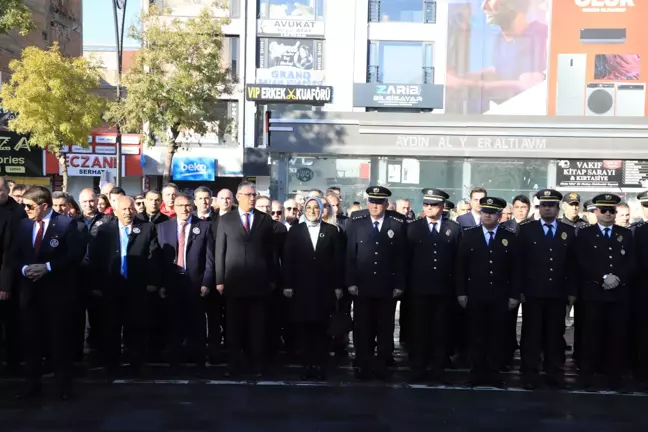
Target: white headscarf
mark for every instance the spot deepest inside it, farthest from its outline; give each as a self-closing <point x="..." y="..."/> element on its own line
<point x="313" y="224"/>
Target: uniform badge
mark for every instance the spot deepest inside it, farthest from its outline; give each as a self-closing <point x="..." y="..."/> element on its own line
<point x="390" y="233"/>
<point x="448" y="233"/>
<point x="622" y="251"/>
<point x="321" y="235"/>
<point x="99" y="223"/>
<point x="54" y="243"/>
<point x="196" y="230"/>
<point x="620" y="239"/>
<point x="489" y="201"/>
<point x="505" y="242"/>
<point x="136" y="230"/>
<point x="563" y="236"/>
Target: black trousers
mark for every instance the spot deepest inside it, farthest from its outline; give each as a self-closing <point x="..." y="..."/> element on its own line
<point x="641" y="338"/>
<point x="10" y="332"/>
<point x="429" y="319"/>
<point x="188" y="325"/>
<point x="405" y="320"/>
<point x="246" y="330"/>
<point x="510" y="341"/>
<point x="373" y="321"/>
<point x="277" y="321"/>
<point x="543" y="326"/>
<point x="313" y="343"/>
<point x="214" y="310"/>
<point x="603" y="337"/>
<point x="487" y="323"/>
<point x="47" y="325"/>
<point x="125" y="307"/>
<point x="458" y="331"/>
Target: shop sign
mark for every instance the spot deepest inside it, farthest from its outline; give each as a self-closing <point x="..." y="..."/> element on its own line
<point x="17" y="158"/>
<point x="191" y="168"/>
<point x="635" y="173"/>
<point x="290" y="28"/>
<point x="290" y="94"/>
<point x="589" y="173"/>
<point x="91" y="165"/>
<point x="290" y="61"/>
<point x="424" y="96"/>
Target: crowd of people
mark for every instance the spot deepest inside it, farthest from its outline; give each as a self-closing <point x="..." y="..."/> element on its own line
<point x="239" y="277"/>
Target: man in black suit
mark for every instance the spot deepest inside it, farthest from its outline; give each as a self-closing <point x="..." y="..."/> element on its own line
<point x="125" y="259"/>
<point x="152" y="203"/>
<point x="246" y="274"/>
<point x="606" y="264"/>
<point x="11" y="213"/>
<point x="485" y="288"/>
<point x="521" y="208"/>
<point x="48" y="250"/>
<point x="546" y="278"/>
<point x="432" y="245"/>
<point x="473" y="218"/>
<point x="376" y="276"/>
<point x="187" y="245"/>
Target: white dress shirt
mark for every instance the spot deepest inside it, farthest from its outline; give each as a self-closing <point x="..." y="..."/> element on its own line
<point x="46" y="221"/>
<point x="477" y="218"/>
<point x="431" y="223"/>
<point x="380" y="222"/>
<point x="487" y="236"/>
<point x="187" y="230"/>
<point x="313" y="232"/>
<point x="250" y="218"/>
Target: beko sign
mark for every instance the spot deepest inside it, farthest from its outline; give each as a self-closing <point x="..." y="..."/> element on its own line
<point x="604" y="5"/>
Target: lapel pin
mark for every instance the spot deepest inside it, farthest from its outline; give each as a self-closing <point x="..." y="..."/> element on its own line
<point x="136" y="230"/>
<point x="390" y="233"/>
<point x="196" y="230"/>
<point x="99" y="223"/>
<point x="448" y="233"/>
<point x="620" y="239"/>
<point x="54" y="243"/>
<point x="321" y="235"/>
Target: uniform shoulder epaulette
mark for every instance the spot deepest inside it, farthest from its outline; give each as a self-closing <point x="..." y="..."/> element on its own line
<point x="397" y="219"/>
<point x="526" y="221"/>
<point x="472" y="227"/>
<point x="511" y="230"/>
<point x="451" y="222"/>
<point x="637" y="224"/>
<point x="358" y="217"/>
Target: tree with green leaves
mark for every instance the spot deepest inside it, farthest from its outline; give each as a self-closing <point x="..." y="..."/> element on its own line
<point x="14" y="14"/>
<point x="53" y="98"/>
<point x="176" y="82"/>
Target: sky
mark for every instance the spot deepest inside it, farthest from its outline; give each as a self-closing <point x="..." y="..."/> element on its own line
<point x="99" y="22"/>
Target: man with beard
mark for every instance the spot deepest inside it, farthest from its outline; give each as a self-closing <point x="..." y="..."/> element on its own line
<point x="11" y="212"/>
<point x="519" y="55"/>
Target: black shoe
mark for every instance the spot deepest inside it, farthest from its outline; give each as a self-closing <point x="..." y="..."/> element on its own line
<point x="585" y="384"/>
<point x="65" y="396"/>
<point x="362" y="374"/>
<point x="30" y="393"/>
<point x="557" y="383"/>
<point x="418" y="376"/>
<point x="307" y="373"/>
<point x="320" y="373"/>
<point x="438" y="377"/>
<point x="497" y="383"/>
<point x="383" y="374"/>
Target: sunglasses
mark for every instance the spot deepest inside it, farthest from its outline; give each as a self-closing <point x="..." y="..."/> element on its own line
<point x="276" y="213"/>
<point x="291" y="208"/>
<point x="30" y="206"/>
<point x="139" y="203"/>
<point x="429" y="205"/>
<point x="607" y="210"/>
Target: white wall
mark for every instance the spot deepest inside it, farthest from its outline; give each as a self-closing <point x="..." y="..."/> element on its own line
<point x="132" y="185"/>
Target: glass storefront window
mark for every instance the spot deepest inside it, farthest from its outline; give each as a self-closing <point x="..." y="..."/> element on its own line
<point x="506" y="178"/>
<point x="294" y="9"/>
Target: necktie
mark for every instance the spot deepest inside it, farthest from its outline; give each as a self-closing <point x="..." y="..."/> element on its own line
<point x="433" y="229"/>
<point x="549" y="233"/>
<point x="246" y="222"/>
<point x="491" y="237"/>
<point x="39" y="236"/>
<point x="376" y="231"/>
<point x="607" y="232"/>
<point x="181" y="245"/>
<point x="124" y="251"/>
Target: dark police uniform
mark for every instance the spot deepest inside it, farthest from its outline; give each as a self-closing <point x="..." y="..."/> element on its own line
<point x="578" y="222"/>
<point x="432" y="247"/>
<point x="546" y="276"/>
<point x="448" y="206"/>
<point x="376" y="266"/>
<point x="639" y="298"/>
<point x="484" y="273"/>
<point x="604" y="310"/>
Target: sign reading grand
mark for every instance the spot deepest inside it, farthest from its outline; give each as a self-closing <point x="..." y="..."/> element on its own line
<point x="424" y="96"/>
<point x="314" y="95"/>
<point x="290" y="28"/>
<point x="17" y="158"/>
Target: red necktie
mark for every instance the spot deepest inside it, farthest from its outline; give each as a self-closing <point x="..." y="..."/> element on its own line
<point x="246" y="222"/>
<point x="181" y="245"/>
<point x="39" y="236"/>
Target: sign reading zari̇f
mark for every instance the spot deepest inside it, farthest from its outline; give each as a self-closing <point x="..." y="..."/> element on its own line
<point x="263" y="93"/>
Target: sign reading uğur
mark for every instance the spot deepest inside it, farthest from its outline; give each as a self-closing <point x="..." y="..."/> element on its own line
<point x="314" y="95"/>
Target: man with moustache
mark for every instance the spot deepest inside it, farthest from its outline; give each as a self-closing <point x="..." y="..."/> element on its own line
<point x="47" y="252"/>
<point x="125" y="259"/>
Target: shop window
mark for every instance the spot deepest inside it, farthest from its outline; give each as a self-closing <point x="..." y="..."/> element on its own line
<point x="507" y="178"/>
<point x="402" y="11"/>
<point x="400" y="62"/>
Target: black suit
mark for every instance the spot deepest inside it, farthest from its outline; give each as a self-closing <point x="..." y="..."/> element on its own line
<point x="125" y="299"/>
<point x="467" y="220"/>
<point x="485" y="275"/>
<point x="245" y="265"/>
<point x="546" y="275"/>
<point x="278" y="323"/>
<point x="639" y="299"/>
<point x="156" y="218"/>
<point x="47" y="304"/>
<point x="376" y="265"/>
<point x="313" y="274"/>
<point x="603" y="313"/>
<point x="431" y="259"/>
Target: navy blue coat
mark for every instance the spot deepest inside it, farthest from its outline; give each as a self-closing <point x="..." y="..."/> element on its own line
<point x="200" y="252"/>
<point x="466" y="220"/>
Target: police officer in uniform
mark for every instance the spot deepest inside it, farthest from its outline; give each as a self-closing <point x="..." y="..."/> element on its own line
<point x="432" y="245"/>
<point x="606" y="261"/>
<point x="448" y="206"/>
<point x="375" y="275"/>
<point x="642" y="197"/>
<point x="484" y="280"/>
<point x="546" y="277"/>
<point x="571" y="206"/>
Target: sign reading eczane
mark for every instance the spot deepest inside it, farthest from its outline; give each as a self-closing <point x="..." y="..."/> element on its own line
<point x="314" y="95"/>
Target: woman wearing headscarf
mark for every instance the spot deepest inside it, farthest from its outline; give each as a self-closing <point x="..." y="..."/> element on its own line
<point x="313" y="279"/>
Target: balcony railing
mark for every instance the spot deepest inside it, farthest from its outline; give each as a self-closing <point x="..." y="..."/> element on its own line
<point x="430" y="9"/>
<point x="373" y="74"/>
<point x="374" y="10"/>
<point x="428" y="75"/>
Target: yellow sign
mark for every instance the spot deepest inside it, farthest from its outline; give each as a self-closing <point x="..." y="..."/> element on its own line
<point x="266" y="93"/>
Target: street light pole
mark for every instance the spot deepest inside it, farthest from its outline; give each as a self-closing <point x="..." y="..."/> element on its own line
<point x="119" y="11"/>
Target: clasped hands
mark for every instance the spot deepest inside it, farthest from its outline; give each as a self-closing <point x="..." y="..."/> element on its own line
<point x="35" y="272"/>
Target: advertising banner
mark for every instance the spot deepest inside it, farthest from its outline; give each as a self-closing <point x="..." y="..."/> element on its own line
<point x="263" y="93"/>
<point x="589" y="173"/>
<point x="290" y="61"/>
<point x="17" y="158"/>
<point x="192" y="168"/>
<point x="424" y="96"/>
<point x="293" y="28"/>
<point x="543" y="57"/>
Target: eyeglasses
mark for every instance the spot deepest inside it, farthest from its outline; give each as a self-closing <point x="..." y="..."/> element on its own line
<point x="139" y="203"/>
<point x="291" y="208"/>
<point x="608" y="210"/>
<point x="277" y="213"/>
